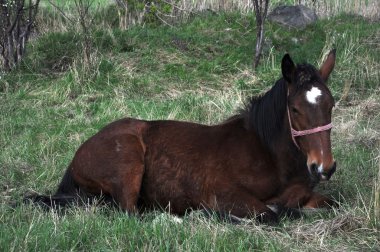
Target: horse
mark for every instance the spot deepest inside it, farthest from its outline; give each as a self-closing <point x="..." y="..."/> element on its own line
<point x="271" y="154"/>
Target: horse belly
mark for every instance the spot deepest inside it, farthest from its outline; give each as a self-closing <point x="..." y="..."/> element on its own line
<point x="171" y="186"/>
<point x="167" y="183"/>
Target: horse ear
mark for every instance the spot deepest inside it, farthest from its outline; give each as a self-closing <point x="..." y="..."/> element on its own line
<point x="328" y="65"/>
<point x="287" y="68"/>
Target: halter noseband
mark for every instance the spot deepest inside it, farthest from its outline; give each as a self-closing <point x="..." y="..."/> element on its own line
<point x="296" y="133"/>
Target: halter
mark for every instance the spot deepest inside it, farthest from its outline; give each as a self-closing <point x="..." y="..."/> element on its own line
<point x="296" y="133"/>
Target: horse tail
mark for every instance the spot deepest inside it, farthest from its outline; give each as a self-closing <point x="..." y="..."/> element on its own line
<point x="66" y="194"/>
<point x="67" y="185"/>
<point x="51" y="201"/>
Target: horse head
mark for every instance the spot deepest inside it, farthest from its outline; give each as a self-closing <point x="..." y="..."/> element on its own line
<point x="309" y="107"/>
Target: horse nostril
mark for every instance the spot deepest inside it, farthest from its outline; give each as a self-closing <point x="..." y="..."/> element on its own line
<point x="314" y="169"/>
<point x="330" y="172"/>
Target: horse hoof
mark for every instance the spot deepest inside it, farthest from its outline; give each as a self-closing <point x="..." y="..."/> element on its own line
<point x="291" y="213"/>
<point x="282" y="211"/>
<point x="268" y="217"/>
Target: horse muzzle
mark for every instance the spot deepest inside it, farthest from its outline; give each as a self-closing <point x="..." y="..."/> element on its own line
<point x="319" y="173"/>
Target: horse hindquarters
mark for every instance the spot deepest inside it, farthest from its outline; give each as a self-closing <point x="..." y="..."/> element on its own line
<point x="111" y="163"/>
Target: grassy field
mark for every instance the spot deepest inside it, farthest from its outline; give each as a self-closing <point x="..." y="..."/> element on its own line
<point x="197" y="71"/>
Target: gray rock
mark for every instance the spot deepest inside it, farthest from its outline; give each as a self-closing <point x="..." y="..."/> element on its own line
<point x="298" y="16"/>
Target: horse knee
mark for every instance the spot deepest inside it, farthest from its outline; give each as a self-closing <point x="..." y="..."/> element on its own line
<point x="256" y="208"/>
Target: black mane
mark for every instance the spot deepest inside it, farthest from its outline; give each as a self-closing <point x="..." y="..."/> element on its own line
<point x="265" y="114"/>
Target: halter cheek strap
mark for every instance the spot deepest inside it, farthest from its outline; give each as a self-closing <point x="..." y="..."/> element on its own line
<point x="296" y="133"/>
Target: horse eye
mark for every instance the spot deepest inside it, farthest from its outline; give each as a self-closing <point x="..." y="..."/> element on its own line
<point x="295" y="111"/>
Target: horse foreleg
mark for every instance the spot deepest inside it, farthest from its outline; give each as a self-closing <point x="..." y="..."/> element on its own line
<point x="317" y="200"/>
<point x="244" y="205"/>
<point x="294" y="196"/>
<point x="301" y="196"/>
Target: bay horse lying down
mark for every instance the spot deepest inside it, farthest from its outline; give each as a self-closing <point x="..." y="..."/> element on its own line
<point x="273" y="152"/>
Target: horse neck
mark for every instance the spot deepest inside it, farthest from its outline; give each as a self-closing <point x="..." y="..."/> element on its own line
<point x="287" y="156"/>
<point x="267" y="117"/>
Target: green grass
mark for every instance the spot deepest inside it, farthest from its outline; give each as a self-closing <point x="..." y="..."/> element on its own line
<point x="197" y="71"/>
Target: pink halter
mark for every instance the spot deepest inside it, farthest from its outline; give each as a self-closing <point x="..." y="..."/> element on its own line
<point x="296" y="133"/>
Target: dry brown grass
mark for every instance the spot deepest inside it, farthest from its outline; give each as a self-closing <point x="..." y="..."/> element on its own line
<point x="53" y="19"/>
<point x="185" y="8"/>
<point x="359" y="121"/>
<point x="326" y="8"/>
<point x="369" y="9"/>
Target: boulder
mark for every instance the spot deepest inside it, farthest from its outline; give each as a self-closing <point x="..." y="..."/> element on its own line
<point x="298" y="16"/>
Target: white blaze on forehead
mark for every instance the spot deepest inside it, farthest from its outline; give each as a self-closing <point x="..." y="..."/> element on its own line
<point x="313" y="94"/>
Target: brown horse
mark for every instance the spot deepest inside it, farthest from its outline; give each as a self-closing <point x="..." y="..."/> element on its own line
<point x="272" y="153"/>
